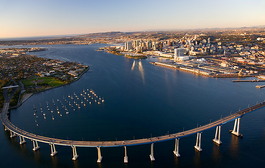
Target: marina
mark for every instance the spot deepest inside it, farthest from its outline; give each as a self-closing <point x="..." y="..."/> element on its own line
<point x="65" y="103"/>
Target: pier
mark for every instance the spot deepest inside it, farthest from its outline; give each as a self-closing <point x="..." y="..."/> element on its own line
<point x="36" y="139"/>
<point x="254" y="80"/>
<point x="200" y="71"/>
<point x="260" y="86"/>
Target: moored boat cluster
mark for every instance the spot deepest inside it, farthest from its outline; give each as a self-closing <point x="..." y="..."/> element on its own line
<point x="68" y="103"/>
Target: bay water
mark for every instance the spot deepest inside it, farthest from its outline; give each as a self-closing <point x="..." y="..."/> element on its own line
<point x="140" y="100"/>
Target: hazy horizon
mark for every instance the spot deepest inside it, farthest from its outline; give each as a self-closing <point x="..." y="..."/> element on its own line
<point x="31" y="18"/>
<point x="72" y="35"/>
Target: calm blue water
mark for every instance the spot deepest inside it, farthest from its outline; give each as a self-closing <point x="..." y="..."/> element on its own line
<point x="141" y="100"/>
<point x="35" y="37"/>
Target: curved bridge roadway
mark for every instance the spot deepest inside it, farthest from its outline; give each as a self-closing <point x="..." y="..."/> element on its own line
<point x="37" y="138"/>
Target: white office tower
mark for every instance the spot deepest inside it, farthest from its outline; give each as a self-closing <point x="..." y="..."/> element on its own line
<point x="179" y="54"/>
<point x="175" y="53"/>
<point x="128" y="46"/>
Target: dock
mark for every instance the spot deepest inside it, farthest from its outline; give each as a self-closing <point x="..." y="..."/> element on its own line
<point x="199" y="71"/>
<point x="260" y="86"/>
<point x="254" y="80"/>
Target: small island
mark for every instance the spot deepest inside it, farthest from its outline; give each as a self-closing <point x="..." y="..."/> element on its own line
<point x="135" y="56"/>
<point x="115" y="51"/>
<point x="34" y="74"/>
<point x="111" y="50"/>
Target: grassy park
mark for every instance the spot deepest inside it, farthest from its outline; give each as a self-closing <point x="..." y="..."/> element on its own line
<point x="43" y="81"/>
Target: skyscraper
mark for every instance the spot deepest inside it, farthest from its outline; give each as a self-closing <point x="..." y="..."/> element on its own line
<point x="128" y="46"/>
<point x="135" y="43"/>
<point x="178" y="52"/>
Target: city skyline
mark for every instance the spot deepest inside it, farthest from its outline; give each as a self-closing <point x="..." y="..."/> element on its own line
<point x="46" y="18"/>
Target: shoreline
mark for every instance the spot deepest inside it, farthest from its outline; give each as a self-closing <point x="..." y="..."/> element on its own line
<point x="201" y="73"/>
<point x="135" y="57"/>
<point x="25" y="98"/>
<point x="193" y="71"/>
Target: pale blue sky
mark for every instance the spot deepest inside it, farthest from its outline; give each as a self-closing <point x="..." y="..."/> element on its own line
<point x="22" y="18"/>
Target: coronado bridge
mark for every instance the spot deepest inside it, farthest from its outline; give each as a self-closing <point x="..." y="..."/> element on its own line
<point x="36" y="139"/>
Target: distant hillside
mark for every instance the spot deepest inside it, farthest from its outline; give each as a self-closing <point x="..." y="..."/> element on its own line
<point x="105" y="34"/>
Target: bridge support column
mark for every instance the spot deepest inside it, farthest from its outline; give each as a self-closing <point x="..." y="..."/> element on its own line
<point x="75" y="156"/>
<point x="35" y="145"/>
<point x="99" y="155"/>
<point x="6" y="128"/>
<point x="152" y="158"/>
<point x="53" y="150"/>
<point x="176" y="151"/>
<point x="198" y="142"/>
<point x="21" y="140"/>
<point x="236" y="128"/>
<point x="217" y="138"/>
<point x="12" y="134"/>
<point x="125" y="157"/>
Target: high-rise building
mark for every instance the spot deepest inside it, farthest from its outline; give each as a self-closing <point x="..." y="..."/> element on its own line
<point x="154" y="46"/>
<point x="179" y="54"/>
<point x="136" y="43"/>
<point x="169" y="43"/>
<point x="142" y="44"/>
<point x="149" y="45"/>
<point x="128" y="46"/>
<point x="160" y="46"/>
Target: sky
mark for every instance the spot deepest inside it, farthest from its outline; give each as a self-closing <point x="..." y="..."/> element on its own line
<point x="26" y="18"/>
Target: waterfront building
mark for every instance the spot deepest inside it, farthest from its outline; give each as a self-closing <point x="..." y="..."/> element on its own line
<point x="149" y="45"/>
<point x="142" y="44"/>
<point x="136" y="43"/>
<point x="138" y="49"/>
<point x="154" y="47"/>
<point x="128" y="46"/>
<point x="164" y="54"/>
<point x="160" y="46"/>
<point x="179" y="54"/>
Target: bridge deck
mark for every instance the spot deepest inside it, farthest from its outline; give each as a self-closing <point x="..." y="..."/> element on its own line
<point x="6" y="122"/>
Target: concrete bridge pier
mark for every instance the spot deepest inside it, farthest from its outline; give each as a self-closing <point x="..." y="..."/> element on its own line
<point x="125" y="157"/>
<point x="176" y="151"/>
<point x="6" y="128"/>
<point x="21" y="140"/>
<point x="75" y="156"/>
<point x="12" y="134"/>
<point x="35" y="145"/>
<point x="198" y="142"/>
<point x="236" y="128"/>
<point x="152" y="158"/>
<point x="217" y="138"/>
<point x="99" y="155"/>
<point x="53" y="150"/>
